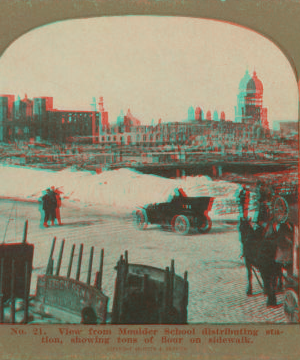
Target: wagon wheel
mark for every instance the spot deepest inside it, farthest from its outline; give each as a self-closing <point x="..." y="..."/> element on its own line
<point x="291" y="306"/>
<point x="280" y="209"/>
<point x="140" y="220"/>
<point x="181" y="224"/>
<point x="205" y="224"/>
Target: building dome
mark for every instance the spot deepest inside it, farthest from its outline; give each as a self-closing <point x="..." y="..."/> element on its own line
<point x="254" y="85"/>
<point x="244" y="81"/>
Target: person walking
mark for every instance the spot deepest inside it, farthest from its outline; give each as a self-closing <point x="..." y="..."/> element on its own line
<point x="46" y="207"/>
<point x="52" y="205"/>
<point x="264" y="196"/>
<point x="58" y="204"/>
<point x="244" y="201"/>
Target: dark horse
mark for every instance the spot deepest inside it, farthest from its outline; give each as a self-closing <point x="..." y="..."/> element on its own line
<point x="259" y="250"/>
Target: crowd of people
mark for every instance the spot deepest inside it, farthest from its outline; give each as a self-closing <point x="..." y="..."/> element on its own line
<point x="51" y="206"/>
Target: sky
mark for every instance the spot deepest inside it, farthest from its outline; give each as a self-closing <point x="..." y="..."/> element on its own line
<point x="155" y="66"/>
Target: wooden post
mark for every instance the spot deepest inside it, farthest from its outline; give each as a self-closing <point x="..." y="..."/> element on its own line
<point x="126" y="257"/>
<point x="1" y="290"/>
<point x="172" y="276"/>
<point x="60" y="257"/>
<point x="48" y="270"/>
<point x="115" y="310"/>
<point x="79" y="262"/>
<point x="71" y="261"/>
<point x="123" y="268"/>
<point x="88" y="280"/>
<point x="12" y="292"/>
<point x="99" y="274"/>
<point x="166" y="295"/>
<point x="51" y="268"/>
<point x="26" y="292"/>
<point x="25" y="232"/>
<point x="185" y="299"/>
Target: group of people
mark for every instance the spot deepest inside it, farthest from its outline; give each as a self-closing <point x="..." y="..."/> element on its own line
<point x="51" y="206"/>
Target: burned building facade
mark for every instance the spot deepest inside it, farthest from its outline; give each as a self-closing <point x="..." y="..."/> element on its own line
<point x="37" y="120"/>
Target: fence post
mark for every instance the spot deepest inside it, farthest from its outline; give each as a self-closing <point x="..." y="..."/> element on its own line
<point x="166" y="295"/>
<point x="172" y="277"/>
<point x="185" y="298"/>
<point x="99" y="274"/>
<point x="26" y="293"/>
<point x="79" y="262"/>
<point x="88" y="280"/>
<point x="12" y="292"/>
<point x="60" y="257"/>
<point x="71" y="261"/>
<point x="25" y="232"/>
<point x="115" y="310"/>
<point x="50" y="261"/>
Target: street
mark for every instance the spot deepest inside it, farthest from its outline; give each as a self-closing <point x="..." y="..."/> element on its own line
<point x="216" y="273"/>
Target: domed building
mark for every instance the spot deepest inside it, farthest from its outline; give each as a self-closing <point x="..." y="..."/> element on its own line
<point x="255" y="87"/>
<point x="249" y="107"/>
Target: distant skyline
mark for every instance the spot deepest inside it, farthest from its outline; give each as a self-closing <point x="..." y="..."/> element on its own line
<point x="155" y="66"/>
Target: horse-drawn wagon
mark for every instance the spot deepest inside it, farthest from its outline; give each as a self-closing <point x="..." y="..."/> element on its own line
<point x="287" y="252"/>
<point x="274" y="251"/>
<point x="181" y="214"/>
<point x="291" y="276"/>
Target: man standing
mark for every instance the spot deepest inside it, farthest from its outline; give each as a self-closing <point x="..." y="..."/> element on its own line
<point x="244" y="201"/>
<point x="58" y="204"/>
<point x="46" y="207"/>
<point x="52" y="205"/>
<point x="263" y="198"/>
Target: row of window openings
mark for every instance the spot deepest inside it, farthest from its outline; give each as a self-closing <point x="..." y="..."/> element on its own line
<point x="114" y="138"/>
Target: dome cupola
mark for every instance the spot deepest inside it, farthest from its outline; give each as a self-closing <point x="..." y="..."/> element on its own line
<point x="254" y="85"/>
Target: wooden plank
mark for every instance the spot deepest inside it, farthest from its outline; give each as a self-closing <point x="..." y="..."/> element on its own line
<point x="172" y="276"/>
<point x="88" y="280"/>
<point x="50" y="261"/>
<point x="25" y="232"/>
<point x="60" y="257"/>
<point x="116" y="299"/>
<point x="99" y="274"/>
<point x="71" y="261"/>
<point x="12" y="292"/>
<point x="79" y="262"/>
<point x="166" y="295"/>
<point x="26" y="295"/>
<point x="71" y="295"/>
